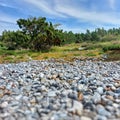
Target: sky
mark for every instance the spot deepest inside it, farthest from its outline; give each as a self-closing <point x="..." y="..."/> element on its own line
<point x="73" y="15"/>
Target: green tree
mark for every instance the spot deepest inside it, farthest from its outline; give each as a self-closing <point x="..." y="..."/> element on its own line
<point x="95" y="36"/>
<point x="41" y="32"/>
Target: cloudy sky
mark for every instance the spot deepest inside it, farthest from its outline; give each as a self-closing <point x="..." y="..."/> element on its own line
<point x="75" y="15"/>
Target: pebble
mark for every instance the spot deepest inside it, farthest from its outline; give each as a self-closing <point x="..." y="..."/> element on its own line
<point x="41" y="75"/>
<point x="4" y="105"/>
<point x="77" y="108"/>
<point x="99" y="117"/>
<point x="85" y="118"/>
<point x="73" y="95"/>
<point x="102" y="111"/>
<point x="100" y="90"/>
<point x="51" y="93"/>
<point x="96" y="97"/>
<point x="60" y="90"/>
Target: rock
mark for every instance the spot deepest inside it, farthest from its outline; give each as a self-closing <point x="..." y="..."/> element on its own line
<point x="76" y="78"/>
<point x="96" y="97"/>
<point x="2" y="88"/>
<point x="1" y="93"/>
<point x="41" y="89"/>
<point x="81" y="48"/>
<point x="113" y="88"/>
<point x="117" y="84"/>
<point x="117" y="90"/>
<point x="9" y="118"/>
<point x="7" y="92"/>
<point x="59" y="116"/>
<point x="81" y="87"/>
<point x="68" y="103"/>
<point x="54" y="76"/>
<point x="102" y="111"/>
<point x="109" y="108"/>
<point x="4" y="105"/>
<point x="33" y="101"/>
<point x="100" y="90"/>
<point x="89" y="105"/>
<point x="73" y="95"/>
<point x="115" y="105"/>
<point x="117" y="101"/>
<point x="85" y="118"/>
<point x="51" y="93"/>
<point x="80" y="96"/>
<point x="118" y="113"/>
<point x="41" y="75"/>
<point x="89" y="113"/>
<point x="18" y="97"/>
<point x="3" y="115"/>
<point x="99" y="117"/>
<point x="110" y="97"/>
<point x="77" y="108"/>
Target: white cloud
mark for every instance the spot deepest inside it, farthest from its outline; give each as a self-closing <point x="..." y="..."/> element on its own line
<point x="112" y="4"/>
<point x="65" y="9"/>
<point x="7" y="5"/>
<point x="88" y="15"/>
<point x="46" y="6"/>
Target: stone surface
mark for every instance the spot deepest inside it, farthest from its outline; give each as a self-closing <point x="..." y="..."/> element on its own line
<point x="60" y="90"/>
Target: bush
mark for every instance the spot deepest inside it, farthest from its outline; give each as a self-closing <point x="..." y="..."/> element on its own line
<point x="111" y="47"/>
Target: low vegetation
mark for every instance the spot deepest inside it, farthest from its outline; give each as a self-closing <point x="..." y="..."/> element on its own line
<point x="39" y="39"/>
<point x="66" y="52"/>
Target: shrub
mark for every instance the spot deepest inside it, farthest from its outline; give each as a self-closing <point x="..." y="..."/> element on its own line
<point x="111" y="47"/>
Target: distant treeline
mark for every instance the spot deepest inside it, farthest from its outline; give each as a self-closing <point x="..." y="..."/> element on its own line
<point x="38" y="34"/>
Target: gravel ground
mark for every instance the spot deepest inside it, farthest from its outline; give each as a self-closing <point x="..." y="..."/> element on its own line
<point x="59" y="90"/>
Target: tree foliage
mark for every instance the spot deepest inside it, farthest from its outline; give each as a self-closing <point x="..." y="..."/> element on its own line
<point x="14" y="40"/>
<point x="42" y="34"/>
<point x="38" y="34"/>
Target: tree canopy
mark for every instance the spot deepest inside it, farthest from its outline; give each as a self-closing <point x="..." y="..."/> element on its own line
<point x="39" y="34"/>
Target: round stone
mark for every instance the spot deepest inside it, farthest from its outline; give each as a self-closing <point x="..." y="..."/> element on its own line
<point x="85" y="118"/>
<point x="4" y="104"/>
<point x="96" y="97"/>
<point x="100" y="90"/>
<point x="102" y="111"/>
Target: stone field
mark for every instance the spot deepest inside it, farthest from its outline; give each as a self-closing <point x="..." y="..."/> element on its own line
<point x="59" y="90"/>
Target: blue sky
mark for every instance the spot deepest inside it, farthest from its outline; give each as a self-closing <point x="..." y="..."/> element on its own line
<point x="74" y="15"/>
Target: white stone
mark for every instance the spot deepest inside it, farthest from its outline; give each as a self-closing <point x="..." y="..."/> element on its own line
<point x="100" y="90"/>
<point x="77" y="108"/>
<point x="4" y="104"/>
<point x="96" y="97"/>
<point x="41" y="75"/>
<point x="85" y="118"/>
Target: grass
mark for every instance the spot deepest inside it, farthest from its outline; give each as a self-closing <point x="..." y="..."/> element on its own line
<point x="67" y="52"/>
